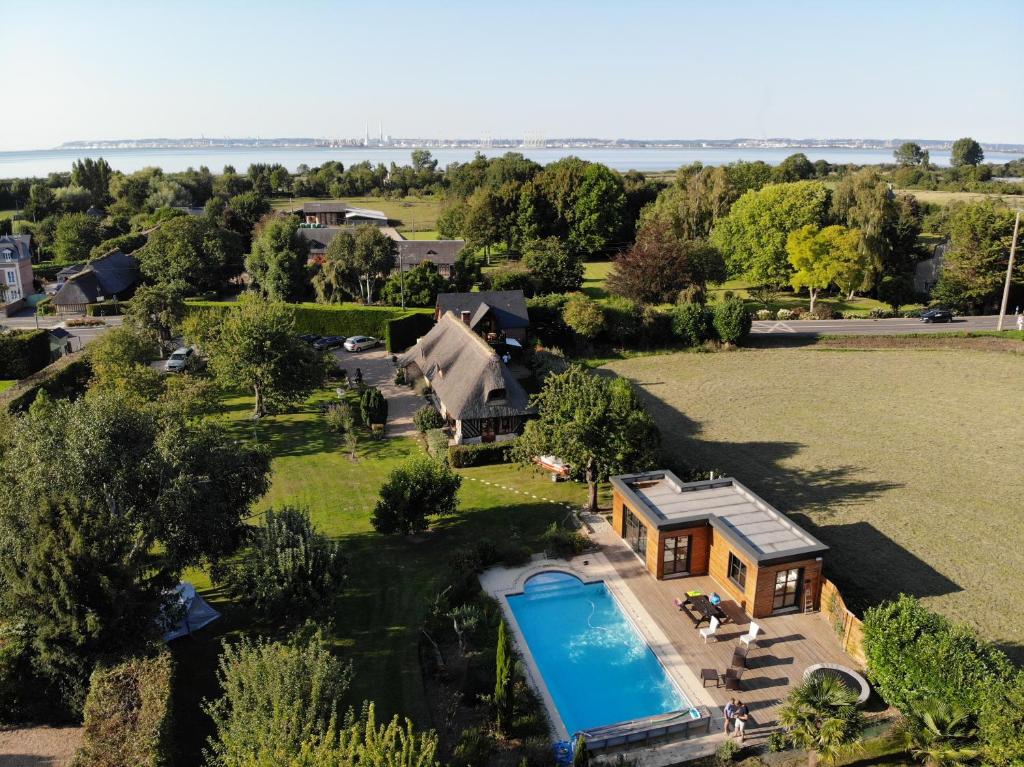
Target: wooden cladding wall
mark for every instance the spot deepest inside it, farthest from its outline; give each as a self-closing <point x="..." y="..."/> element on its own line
<point x="848" y="627"/>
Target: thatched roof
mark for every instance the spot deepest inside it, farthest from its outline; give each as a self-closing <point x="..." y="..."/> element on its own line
<point x="466" y="374"/>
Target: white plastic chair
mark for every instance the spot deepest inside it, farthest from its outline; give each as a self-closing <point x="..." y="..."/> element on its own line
<point x="751" y="636"/>
<point x="709" y="632"/>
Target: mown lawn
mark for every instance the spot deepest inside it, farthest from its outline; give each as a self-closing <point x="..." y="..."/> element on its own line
<point x="944" y="198"/>
<point x="907" y="463"/>
<point x="391" y="580"/>
<point x="412" y="213"/>
<point x="5" y="385"/>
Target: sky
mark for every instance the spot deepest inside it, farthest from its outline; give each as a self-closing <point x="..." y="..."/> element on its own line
<point x="624" y="69"/>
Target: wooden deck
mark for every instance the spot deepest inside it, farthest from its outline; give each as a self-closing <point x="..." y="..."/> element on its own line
<point x="787" y="645"/>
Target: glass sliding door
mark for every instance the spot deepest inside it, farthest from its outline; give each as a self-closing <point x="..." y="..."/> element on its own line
<point x="787" y="588"/>
<point x="676" y="555"/>
<point x="636" y="534"/>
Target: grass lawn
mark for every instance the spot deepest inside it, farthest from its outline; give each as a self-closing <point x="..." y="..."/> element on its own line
<point x="5" y="385"/>
<point x="906" y="463"/>
<point x="944" y="198"/>
<point x="7" y="213"/>
<point x="740" y="288"/>
<point x="432" y="234"/>
<point x="412" y="213"/>
<point x="595" y="274"/>
<point x="391" y="580"/>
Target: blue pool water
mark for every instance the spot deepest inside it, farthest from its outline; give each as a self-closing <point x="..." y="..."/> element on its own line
<point x="596" y="666"/>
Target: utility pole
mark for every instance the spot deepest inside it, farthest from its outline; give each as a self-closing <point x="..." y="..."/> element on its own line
<point x="1009" y="272"/>
<point x="401" y="278"/>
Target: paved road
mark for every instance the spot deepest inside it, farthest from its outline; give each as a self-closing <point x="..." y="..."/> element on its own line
<point x="877" y="327"/>
<point x="82" y="336"/>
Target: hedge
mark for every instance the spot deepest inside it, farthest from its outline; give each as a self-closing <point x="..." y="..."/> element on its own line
<point x="402" y="332"/>
<point x="112" y="308"/>
<point x="128" y="715"/>
<point x="482" y="454"/>
<point x="47" y="270"/>
<point x="23" y="352"/>
<point x="330" y="319"/>
<point x="66" y="378"/>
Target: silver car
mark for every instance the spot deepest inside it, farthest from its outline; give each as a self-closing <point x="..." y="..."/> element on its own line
<point x="358" y="343"/>
<point x="179" y="359"/>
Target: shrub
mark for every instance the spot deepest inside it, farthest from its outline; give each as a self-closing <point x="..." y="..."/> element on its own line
<point x="482" y="454"/>
<point x="691" y="324"/>
<point x="822" y="311"/>
<point x="584" y="316"/>
<point x="112" y="308"/>
<point x="427" y="418"/>
<point x="798" y="312"/>
<point x="764" y="314"/>
<point x="399" y="379"/>
<point x="777" y="741"/>
<point x="23" y="352"/>
<point x="914" y="654"/>
<point x="290" y="568"/>
<point x="373" y="407"/>
<point x="732" y="322"/>
<point x="473" y="749"/>
<point x="413" y="493"/>
<point x="726" y="752"/>
<point x="559" y="542"/>
<point x="275" y="697"/>
<point x="437" y="444"/>
<point x="66" y="378"/>
<point x="25" y="695"/>
<point x="1001" y="722"/>
<point x="624" y="321"/>
<point x="783" y="314"/>
<point x="128" y="715"/>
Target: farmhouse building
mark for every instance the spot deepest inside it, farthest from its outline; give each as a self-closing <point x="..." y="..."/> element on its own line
<point x="112" y="276"/>
<point x="760" y="558"/>
<point x="441" y="253"/>
<point x="496" y="315"/>
<point x="476" y="394"/>
<point x="341" y="214"/>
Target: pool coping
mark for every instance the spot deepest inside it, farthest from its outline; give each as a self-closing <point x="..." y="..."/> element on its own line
<point x="502" y="582"/>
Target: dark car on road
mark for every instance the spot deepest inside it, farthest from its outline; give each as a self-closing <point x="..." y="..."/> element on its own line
<point x="328" y="342"/>
<point x="937" y="315"/>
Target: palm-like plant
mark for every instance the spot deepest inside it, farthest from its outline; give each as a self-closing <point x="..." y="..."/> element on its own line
<point x="821" y="717"/>
<point x="940" y="734"/>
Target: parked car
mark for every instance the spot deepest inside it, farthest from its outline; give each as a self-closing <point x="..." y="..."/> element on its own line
<point x="358" y="343"/>
<point x="179" y="359"/>
<point x="937" y="315"/>
<point x="309" y="338"/>
<point x="328" y="342"/>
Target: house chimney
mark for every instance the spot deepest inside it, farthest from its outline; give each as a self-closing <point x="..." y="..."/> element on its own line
<point x="465" y="316"/>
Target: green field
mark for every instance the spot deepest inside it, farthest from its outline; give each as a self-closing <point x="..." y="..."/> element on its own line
<point x="431" y="234"/>
<point x="5" y="385"/>
<point x="7" y="213"/>
<point x="907" y="463"/>
<point x="944" y="198"/>
<point x="390" y="580"/>
<point x="408" y="213"/>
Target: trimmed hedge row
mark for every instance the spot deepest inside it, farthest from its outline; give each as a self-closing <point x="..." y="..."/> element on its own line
<point x="23" y="352"/>
<point x="482" y="454"/>
<point x="338" y="319"/>
<point x="128" y="715"/>
<point x="402" y="332"/>
<point x="112" y="308"/>
<point x="47" y="270"/>
<point x="66" y="378"/>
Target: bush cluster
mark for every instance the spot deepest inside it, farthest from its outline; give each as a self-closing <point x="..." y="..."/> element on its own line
<point x="732" y="321"/>
<point x="437" y="444"/>
<point x="427" y="418"/>
<point x="66" y="378"/>
<point x="482" y="454"/>
<point x="560" y="542"/>
<point x="113" y="308"/>
<point x="128" y="714"/>
<point x="691" y="324"/>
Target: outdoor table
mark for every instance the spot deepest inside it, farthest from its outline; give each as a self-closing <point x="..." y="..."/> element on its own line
<point x="709" y="675"/>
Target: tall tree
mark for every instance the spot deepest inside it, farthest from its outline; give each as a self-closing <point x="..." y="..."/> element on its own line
<point x="157" y="310"/>
<point x="974" y="266"/>
<point x="553" y="267"/>
<point x="796" y="167"/>
<point x="504" y="684"/>
<point x="187" y="250"/>
<point x="966" y="151"/>
<point x="75" y="236"/>
<point x="335" y="277"/>
<point x="752" y="237"/>
<point x="278" y="259"/>
<point x="481" y="224"/>
<point x="597" y="425"/>
<point x="414" y="492"/>
<point x="420" y="286"/>
<point x="254" y="346"/>
<point x="909" y="154"/>
<point x="661" y="264"/>
<point x="824" y="257"/>
<point x="93" y="175"/>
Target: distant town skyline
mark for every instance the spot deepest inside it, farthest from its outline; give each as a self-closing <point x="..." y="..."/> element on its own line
<point x="644" y="70"/>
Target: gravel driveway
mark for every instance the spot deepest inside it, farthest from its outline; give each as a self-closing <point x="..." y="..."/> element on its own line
<point x="378" y="371"/>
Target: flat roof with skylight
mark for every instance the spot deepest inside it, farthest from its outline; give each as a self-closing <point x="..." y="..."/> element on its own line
<point x="751" y="523"/>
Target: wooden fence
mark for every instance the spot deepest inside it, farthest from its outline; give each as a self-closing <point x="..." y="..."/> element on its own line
<point x="848" y="627"/>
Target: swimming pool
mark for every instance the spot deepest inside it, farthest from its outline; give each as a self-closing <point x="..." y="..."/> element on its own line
<point x="597" y="668"/>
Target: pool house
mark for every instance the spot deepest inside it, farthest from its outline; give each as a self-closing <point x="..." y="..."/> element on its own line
<point x="760" y="558"/>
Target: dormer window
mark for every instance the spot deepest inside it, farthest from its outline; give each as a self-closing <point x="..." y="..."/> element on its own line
<point x="7" y="254"/>
<point x="495" y="394"/>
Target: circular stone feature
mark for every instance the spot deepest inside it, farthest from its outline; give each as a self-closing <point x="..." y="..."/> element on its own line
<point x="850" y="678"/>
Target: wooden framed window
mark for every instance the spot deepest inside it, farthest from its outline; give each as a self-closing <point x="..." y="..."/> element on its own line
<point x="676" y="555"/>
<point x="737" y="571"/>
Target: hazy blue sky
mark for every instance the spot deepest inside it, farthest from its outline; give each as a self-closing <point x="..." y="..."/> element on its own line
<point x="628" y="68"/>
